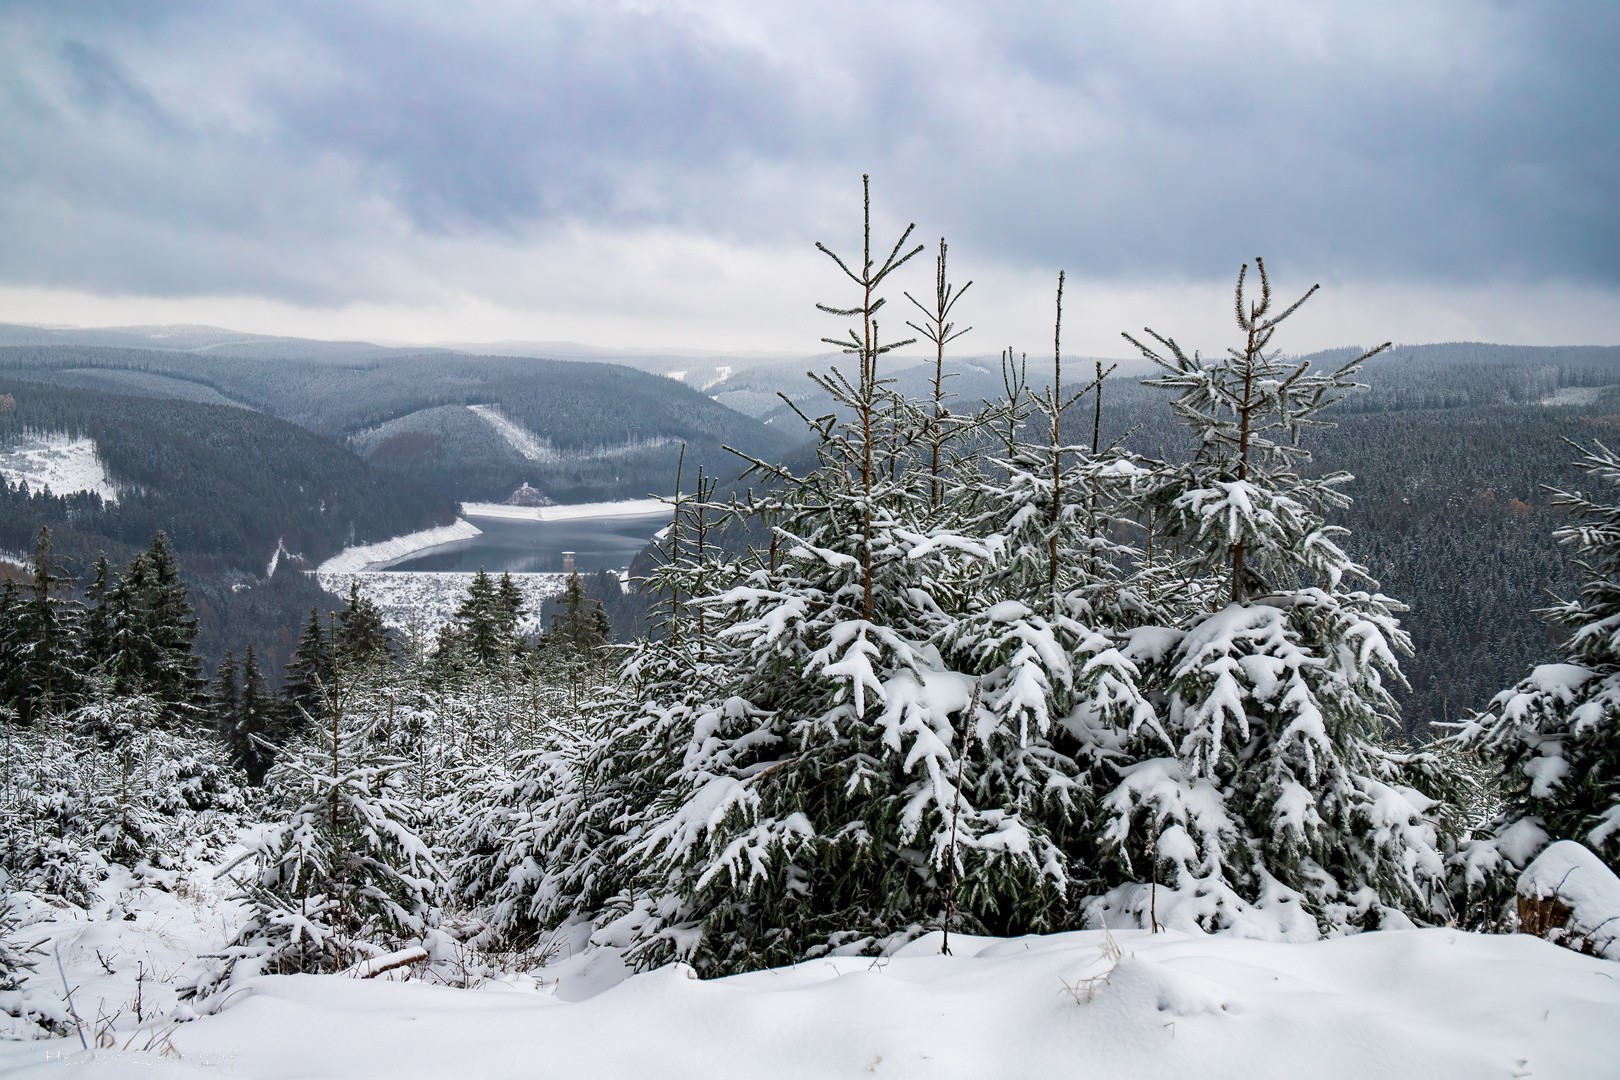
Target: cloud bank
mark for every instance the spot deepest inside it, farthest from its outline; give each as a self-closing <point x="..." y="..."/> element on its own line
<point x="656" y="172"/>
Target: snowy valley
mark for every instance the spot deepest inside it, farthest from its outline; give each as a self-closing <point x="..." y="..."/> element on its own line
<point x="971" y="745"/>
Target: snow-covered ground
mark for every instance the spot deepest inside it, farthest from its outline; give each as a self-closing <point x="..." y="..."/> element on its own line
<point x="1429" y="1003"/>
<point x="125" y="956"/>
<point x="429" y="600"/>
<point x="1577" y="395"/>
<point x="61" y="462"/>
<point x="388" y="552"/>
<point x="572" y="512"/>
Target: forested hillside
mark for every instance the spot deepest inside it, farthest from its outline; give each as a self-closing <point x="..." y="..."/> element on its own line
<point x="227" y="485"/>
<point x="601" y="431"/>
<point x="1451" y="448"/>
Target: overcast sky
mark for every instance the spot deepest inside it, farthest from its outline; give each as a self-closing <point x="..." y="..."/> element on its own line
<point x="657" y="173"/>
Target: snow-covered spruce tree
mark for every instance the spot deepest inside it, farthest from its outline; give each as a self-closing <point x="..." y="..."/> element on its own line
<point x="1555" y="736"/>
<point x="578" y="630"/>
<point x="1042" y="616"/>
<point x="938" y="329"/>
<point x="806" y="786"/>
<point x="309" y="668"/>
<point x="248" y="718"/>
<point x="26" y="1012"/>
<point x="119" y="728"/>
<point x="344" y="874"/>
<point x="361" y="636"/>
<point x="49" y="820"/>
<point x="45" y="649"/>
<point x="509" y="818"/>
<point x="153" y="629"/>
<point x="99" y="617"/>
<point x="1275" y="808"/>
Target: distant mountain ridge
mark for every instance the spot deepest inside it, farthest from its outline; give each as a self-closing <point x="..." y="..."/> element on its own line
<point x="579" y="408"/>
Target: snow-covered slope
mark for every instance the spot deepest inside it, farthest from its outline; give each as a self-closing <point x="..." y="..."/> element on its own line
<point x="63" y="463"/>
<point x="522" y="439"/>
<point x="1431" y="1004"/>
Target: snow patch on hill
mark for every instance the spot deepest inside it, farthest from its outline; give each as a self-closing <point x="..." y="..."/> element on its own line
<point x="63" y="463"/>
<point x="388" y="552"/>
<point x="522" y="440"/>
<point x="538" y="449"/>
<point x="1577" y="395"/>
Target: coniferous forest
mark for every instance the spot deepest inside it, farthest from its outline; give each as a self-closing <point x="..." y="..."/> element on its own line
<point x="999" y="670"/>
<point x="513" y="561"/>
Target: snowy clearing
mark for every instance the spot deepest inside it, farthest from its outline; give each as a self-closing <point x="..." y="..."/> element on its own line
<point x="60" y="462"/>
<point x="572" y="512"/>
<point x="535" y="448"/>
<point x="521" y="439"/>
<point x="1577" y="395"/>
<point x="428" y="600"/>
<point x="1430" y="1003"/>
<point x="384" y="554"/>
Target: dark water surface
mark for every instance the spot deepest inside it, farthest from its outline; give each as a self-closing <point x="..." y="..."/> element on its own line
<point x="536" y="547"/>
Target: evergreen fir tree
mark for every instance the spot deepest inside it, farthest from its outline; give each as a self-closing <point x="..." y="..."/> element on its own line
<point x="579" y="627"/>
<point x="482" y="629"/>
<point x="153" y="630"/>
<point x="174" y="679"/>
<point x="1554" y="736"/>
<point x="509" y="606"/>
<point x="1044" y="620"/>
<point x="100" y="622"/>
<point x="131" y="652"/>
<point x="247" y="715"/>
<point x="127" y="826"/>
<point x="35" y="1013"/>
<point x="787" y="778"/>
<point x="362" y="637"/>
<point x="344" y="874"/>
<point x="11" y="691"/>
<point x="307" y="674"/>
<point x="226" y="699"/>
<point x="259" y="726"/>
<point x="1273" y="797"/>
<point x="46" y="640"/>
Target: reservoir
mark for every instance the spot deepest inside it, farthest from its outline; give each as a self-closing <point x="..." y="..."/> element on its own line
<point x="529" y="546"/>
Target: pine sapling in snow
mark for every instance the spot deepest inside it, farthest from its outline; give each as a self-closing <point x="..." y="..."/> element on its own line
<point x="344" y="875"/>
<point x="810" y="788"/>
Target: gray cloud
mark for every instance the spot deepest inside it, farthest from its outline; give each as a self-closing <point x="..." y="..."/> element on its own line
<point x="292" y="150"/>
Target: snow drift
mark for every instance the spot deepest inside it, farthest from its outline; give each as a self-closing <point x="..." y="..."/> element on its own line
<point x="1432" y="1004"/>
<point x="1569" y="896"/>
